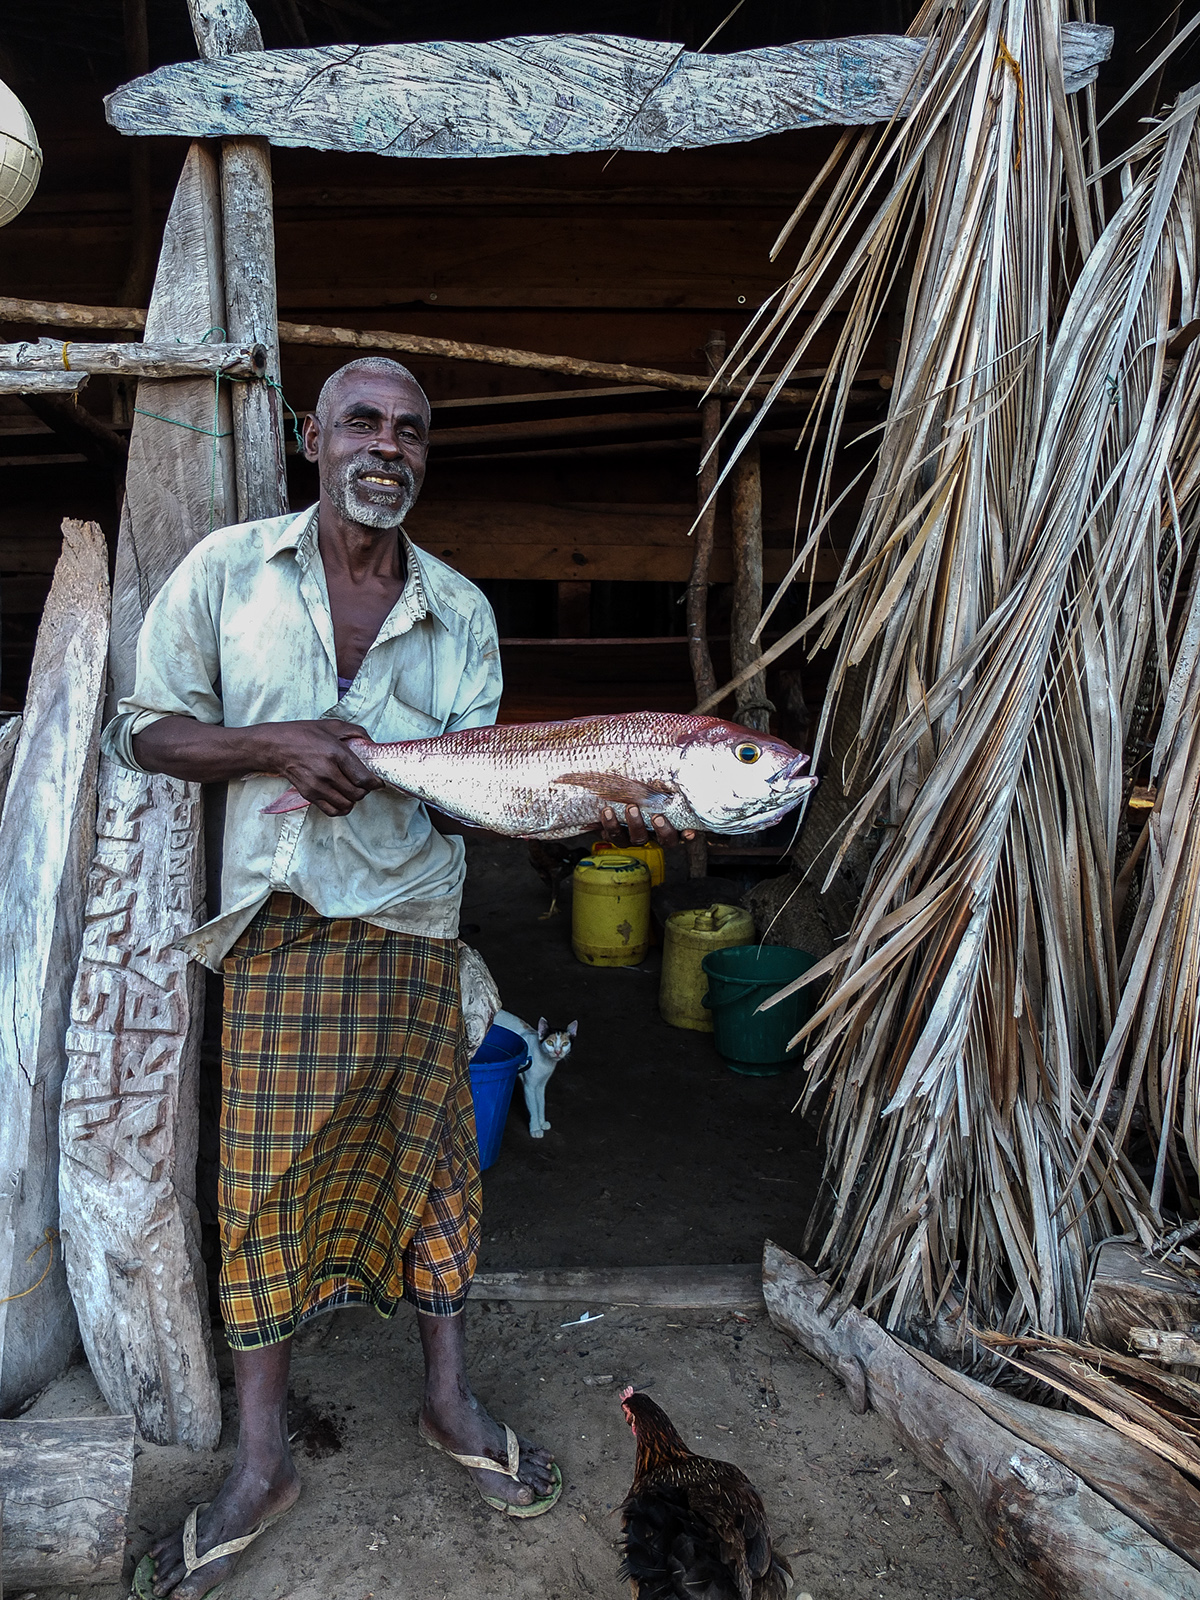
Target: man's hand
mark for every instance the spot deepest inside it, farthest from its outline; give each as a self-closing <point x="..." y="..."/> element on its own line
<point x="312" y="756"/>
<point x="635" y="823"/>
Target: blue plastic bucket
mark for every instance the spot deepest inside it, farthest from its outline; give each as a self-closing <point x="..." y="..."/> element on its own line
<point x="494" y="1068"/>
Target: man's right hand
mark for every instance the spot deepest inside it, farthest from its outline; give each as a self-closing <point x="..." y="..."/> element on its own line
<point x="313" y="756"/>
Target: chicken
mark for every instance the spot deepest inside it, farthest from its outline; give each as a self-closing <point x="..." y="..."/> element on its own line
<point x="554" y="863"/>
<point x="694" y="1529"/>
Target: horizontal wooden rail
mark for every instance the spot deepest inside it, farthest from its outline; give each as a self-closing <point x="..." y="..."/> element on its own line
<point x="64" y="314"/>
<point x="135" y="360"/>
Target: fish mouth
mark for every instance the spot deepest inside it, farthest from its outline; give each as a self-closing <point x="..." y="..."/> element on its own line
<point x="792" y="773"/>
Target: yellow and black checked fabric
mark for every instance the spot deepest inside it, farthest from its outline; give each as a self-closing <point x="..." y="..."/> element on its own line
<point x="349" y="1168"/>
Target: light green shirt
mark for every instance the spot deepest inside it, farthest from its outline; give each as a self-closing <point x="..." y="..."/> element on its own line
<point x="241" y="633"/>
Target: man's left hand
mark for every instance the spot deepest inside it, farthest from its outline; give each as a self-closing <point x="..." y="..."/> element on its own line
<point x="611" y="827"/>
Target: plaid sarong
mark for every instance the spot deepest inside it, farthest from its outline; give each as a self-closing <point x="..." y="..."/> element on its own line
<point x="349" y="1169"/>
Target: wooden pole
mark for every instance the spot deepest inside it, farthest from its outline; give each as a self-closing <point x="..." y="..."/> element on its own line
<point x="137" y="360"/>
<point x="42" y="382"/>
<point x="753" y="707"/>
<point x="226" y="27"/>
<point x="66" y="314"/>
<point x="703" y="676"/>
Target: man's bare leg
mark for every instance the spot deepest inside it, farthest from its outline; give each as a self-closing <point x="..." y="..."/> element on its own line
<point x="262" y="1481"/>
<point x="453" y="1416"/>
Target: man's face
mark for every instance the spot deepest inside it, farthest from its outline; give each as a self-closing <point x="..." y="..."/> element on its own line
<point x="371" y="449"/>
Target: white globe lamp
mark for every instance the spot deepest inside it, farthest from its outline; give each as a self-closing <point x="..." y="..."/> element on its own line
<point x="20" y="156"/>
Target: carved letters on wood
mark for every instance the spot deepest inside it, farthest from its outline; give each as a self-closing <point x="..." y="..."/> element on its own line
<point x="128" y="1116"/>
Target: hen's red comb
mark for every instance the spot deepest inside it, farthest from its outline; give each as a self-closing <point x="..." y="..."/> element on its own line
<point x="625" y="1393"/>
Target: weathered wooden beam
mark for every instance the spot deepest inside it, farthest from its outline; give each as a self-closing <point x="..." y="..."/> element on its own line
<point x="222" y="27"/>
<point x="1044" y="1522"/>
<point x="46" y="836"/>
<point x="548" y="95"/>
<point x="42" y="382"/>
<point x="136" y="360"/>
<point x="1131" y="1289"/>
<point x="681" y="1288"/>
<point x="63" y="314"/>
<point x="753" y="709"/>
<point x="65" y="1487"/>
<point x="130" y="1109"/>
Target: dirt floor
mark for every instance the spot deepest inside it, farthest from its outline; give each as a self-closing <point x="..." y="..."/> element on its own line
<point x="658" y="1154"/>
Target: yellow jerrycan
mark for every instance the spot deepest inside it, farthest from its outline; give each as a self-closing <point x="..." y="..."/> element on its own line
<point x="610" y="910"/>
<point x="688" y="938"/>
<point x="651" y="853"/>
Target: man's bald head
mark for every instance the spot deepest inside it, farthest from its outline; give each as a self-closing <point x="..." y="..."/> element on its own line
<point x="377" y="366"/>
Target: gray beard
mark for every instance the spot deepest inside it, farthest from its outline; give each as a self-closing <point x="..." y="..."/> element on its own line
<point x="355" y="507"/>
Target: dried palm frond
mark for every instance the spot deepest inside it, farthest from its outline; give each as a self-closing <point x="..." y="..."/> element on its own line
<point x="1005" y="589"/>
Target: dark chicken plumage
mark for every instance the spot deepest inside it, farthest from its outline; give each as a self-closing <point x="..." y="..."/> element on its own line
<point x="694" y="1528"/>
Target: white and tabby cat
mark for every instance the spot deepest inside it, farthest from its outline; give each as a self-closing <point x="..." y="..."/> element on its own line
<point x="547" y="1047"/>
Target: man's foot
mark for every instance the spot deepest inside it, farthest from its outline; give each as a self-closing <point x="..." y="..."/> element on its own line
<point x="464" y="1427"/>
<point x="245" y="1498"/>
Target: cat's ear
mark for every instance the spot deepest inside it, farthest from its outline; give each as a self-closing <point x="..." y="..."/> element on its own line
<point x="543" y="1027"/>
<point x="571" y="1028"/>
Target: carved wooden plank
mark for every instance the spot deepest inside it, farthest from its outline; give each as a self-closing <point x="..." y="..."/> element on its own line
<point x="9" y="734"/>
<point x="129" y="1116"/>
<point x="1044" y="1523"/>
<point x="132" y="360"/>
<point x="545" y="95"/>
<point x="66" y="1486"/>
<point x="179" y="481"/>
<point x="46" y="836"/>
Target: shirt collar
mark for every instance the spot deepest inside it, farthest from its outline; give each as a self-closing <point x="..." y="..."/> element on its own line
<point x="420" y="594"/>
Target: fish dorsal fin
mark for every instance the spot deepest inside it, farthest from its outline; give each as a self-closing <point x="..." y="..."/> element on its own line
<point x="616" y="787"/>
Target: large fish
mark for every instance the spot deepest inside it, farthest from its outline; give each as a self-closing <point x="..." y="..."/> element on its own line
<point x="548" y="780"/>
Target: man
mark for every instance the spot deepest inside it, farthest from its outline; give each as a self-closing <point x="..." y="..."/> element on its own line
<point x="349" y="1170"/>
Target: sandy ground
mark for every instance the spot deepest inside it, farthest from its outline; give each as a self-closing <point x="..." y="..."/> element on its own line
<point x="657" y="1155"/>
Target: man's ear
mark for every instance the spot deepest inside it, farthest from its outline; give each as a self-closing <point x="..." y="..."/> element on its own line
<point x="311" y="435"/>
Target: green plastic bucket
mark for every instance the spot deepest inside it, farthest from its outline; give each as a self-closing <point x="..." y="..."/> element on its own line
<point x="740" y="978"/>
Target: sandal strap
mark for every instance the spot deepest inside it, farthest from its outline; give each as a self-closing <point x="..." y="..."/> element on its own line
<point x="487" y="1463"/>
<point x="231" y="1547"/>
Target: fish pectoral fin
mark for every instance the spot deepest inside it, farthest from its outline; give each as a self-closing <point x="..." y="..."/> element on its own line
<point x="617" y="789"/>
<point x="289" y="800"/>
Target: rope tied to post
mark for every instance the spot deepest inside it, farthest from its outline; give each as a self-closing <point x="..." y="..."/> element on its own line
<point x="48" y="1238"/>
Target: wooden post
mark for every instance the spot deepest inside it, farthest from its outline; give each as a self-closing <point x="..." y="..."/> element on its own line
<point x="223" y="27"/>
<point x="753" y="707"/>
<point x="46" y="836"/>
<point x="129" y="1113"/>
<point x="703" y="676"/>
<point x="67" y="1487"/>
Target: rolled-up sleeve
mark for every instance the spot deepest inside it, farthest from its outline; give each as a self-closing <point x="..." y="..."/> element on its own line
<point x="478" y="697"/>
<point x="178" y="661"/>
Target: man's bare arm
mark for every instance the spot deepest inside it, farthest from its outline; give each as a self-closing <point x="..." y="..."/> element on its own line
<point x="311" y="756"/>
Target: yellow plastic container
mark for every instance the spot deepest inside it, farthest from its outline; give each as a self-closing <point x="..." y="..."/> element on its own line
<point x="688" y="938"/>
<point x="651" y="853"/>
<point x="610" y="910"/>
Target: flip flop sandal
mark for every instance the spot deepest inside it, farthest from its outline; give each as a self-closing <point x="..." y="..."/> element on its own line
<point x="536" y="1508"/>
<point x="143" y="1577"/>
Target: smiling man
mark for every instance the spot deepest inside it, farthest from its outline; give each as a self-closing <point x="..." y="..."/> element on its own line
<point x="349" y="1171"/>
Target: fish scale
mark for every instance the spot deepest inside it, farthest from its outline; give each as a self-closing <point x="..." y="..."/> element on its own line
<point x="549" y="780"/>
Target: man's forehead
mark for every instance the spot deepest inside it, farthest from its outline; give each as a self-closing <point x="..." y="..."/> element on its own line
<point x="380" y="391"/>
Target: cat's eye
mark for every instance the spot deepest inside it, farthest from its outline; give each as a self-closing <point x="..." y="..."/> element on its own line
<point x="747" y="753"/>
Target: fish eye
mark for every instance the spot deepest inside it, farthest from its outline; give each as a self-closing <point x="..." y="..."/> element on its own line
<point x="747" y="753"/>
